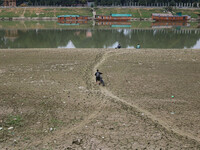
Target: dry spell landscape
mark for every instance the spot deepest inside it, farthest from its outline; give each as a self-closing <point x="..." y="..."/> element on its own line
<point x="49" y="99"/>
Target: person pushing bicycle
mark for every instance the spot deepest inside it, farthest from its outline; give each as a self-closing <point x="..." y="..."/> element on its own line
<point x="98" y="77"/>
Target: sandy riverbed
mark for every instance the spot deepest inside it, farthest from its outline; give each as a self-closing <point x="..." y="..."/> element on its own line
<point x="50" y="98"/>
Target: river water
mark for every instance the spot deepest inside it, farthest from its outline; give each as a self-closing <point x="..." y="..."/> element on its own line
<point x="90" y="37"/>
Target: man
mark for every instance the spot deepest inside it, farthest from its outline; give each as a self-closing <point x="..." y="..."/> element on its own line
<point x="98" y="76"/>
<point x="118" y="46"/>
<point x="138" y="46"/>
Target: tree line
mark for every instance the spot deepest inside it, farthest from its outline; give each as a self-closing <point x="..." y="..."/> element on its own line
<point x="99" y="2"/>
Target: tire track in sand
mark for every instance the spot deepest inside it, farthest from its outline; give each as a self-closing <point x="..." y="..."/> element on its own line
<point x="66" y="130"/>
<point x="149" y="115"/>
<point x="23" y="12"/>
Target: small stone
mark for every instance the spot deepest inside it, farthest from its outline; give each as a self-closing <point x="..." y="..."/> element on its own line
<point x="1" y="128"/>
<point x="10" y="128"/>
<point x="172" y="113"/>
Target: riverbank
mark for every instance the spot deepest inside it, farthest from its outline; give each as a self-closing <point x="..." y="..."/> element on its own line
<point x="52" y="25"/>
<point x="42" y="13"/>
<point x="49" y="99"/>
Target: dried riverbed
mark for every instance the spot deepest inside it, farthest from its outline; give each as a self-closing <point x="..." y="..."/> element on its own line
<point x="49" y="99"/>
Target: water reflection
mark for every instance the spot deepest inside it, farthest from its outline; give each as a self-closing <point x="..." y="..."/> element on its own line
<point x="69" y="45"/>
<point x="109" y="23"/>
<point x="197" y="45"/>
<point x="114" y="24"/>
<point x="11" y="35"/>
<point x="100" y="38"/>
<point x="165" y="24"/>
<point x="72" y="22"/>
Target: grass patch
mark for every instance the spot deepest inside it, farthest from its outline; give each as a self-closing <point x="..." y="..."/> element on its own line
<point x="11" y="12"/>
<point x="108" y="11"/>
<point x="147" y="13"/>
<point x="52" y="12"/>
<point x="141" y="24"/>
<point x="73" y="11"/>
<point x="31" y="12"/>
<point x="144" y="13"/>
<point x="14" y="121"/>
<point x="47" y="14"/>
<point x="56" y="123"/>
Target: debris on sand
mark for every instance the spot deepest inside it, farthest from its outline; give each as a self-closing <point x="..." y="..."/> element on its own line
<point x="10" y="128"/>
<point x="69" y="148"/>
<point x="77" y="142"/>
<point x="172" y="113"/>
<point x="81" y="87"/>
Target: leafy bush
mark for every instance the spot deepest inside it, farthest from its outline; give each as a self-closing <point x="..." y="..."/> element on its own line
<point x="169" y="8"/>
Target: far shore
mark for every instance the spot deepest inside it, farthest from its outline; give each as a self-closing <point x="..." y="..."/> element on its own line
<point x="51" y="13"/>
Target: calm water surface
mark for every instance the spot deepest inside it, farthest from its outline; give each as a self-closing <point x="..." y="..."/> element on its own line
<point x="100" y="38"/>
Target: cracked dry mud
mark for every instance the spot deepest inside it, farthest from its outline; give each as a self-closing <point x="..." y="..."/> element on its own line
<point x="150" y="101"/>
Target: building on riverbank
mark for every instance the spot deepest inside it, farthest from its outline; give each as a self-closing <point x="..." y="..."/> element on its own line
<point x="114" y="17"/>
<point x="10" y="3"/>
<point x="170" y="17"/>
<point x="72" y="17"/>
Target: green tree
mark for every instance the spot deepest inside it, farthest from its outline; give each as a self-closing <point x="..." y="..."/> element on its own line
<point x="142" y="2"/>
<point x="172" y="3"/>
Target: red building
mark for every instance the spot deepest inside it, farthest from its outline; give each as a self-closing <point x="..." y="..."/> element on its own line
<point x="10" y="3"/>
